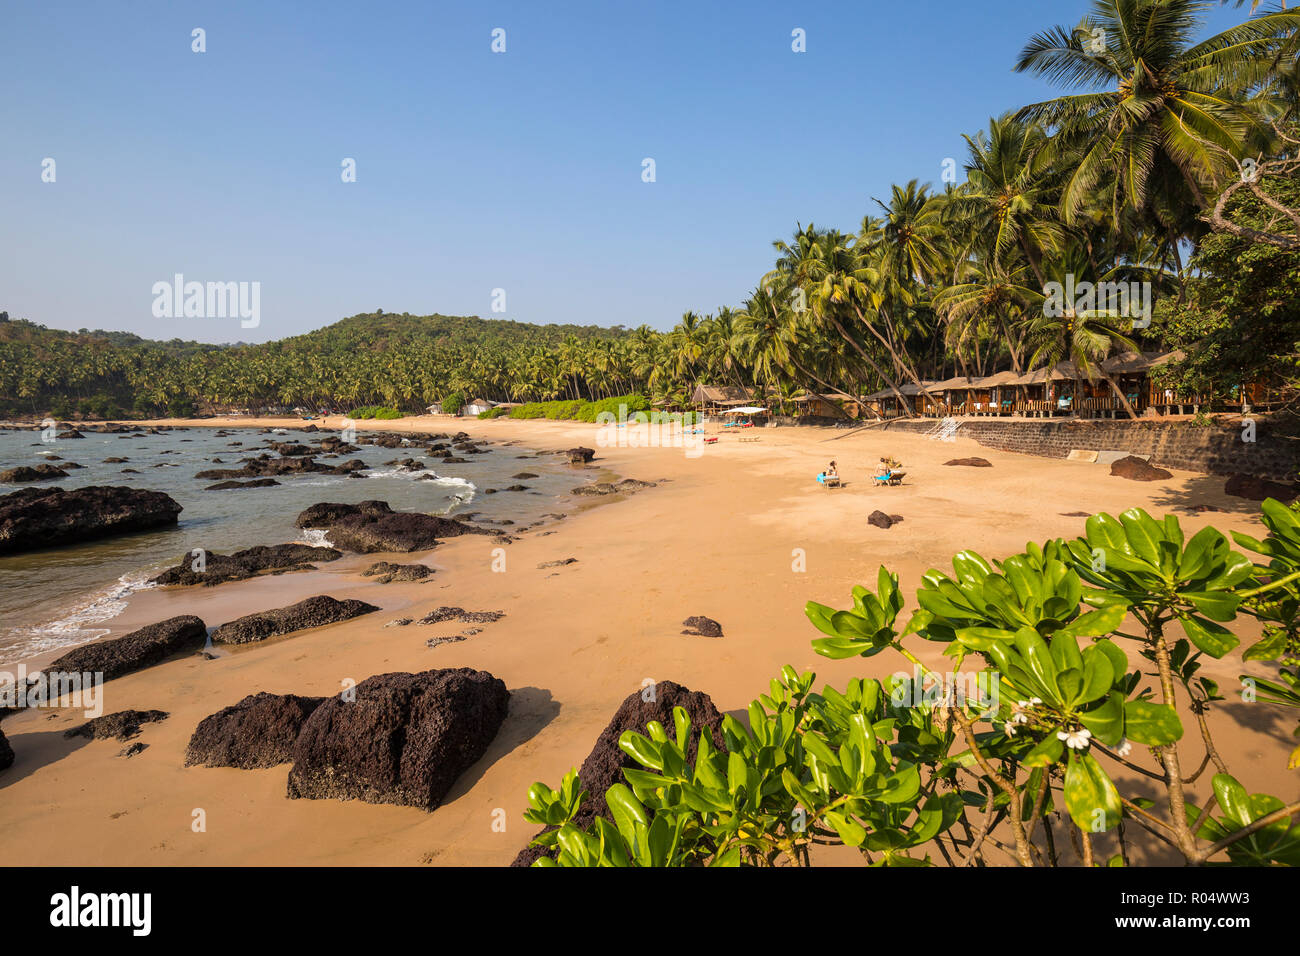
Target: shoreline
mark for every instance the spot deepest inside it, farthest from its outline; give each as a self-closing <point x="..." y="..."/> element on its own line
<point x="719" y="536"/>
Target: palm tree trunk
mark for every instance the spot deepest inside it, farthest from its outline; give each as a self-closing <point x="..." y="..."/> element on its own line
<point x="872" y="362"/>
<point x="1119" y="393"/>
<point x="905" y="367"/>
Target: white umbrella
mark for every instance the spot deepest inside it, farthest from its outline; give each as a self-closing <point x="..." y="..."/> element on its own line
<point x="747" y="410"/>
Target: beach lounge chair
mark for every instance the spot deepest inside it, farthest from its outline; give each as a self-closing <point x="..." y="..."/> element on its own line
<point x="832" y="481"/>
<point x="896" y="477"/>
<point x="883" y="479"/>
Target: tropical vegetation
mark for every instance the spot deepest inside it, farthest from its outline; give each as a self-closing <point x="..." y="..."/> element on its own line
<point x="1075" y="686"/>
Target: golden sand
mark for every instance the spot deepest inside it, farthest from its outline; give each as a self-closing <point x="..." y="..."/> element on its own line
<point x="722" y="536"/>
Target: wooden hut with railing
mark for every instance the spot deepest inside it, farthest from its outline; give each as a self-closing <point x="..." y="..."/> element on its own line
<point x="716" y="399"/>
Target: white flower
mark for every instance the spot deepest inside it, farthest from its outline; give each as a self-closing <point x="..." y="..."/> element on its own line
<point x="1075" y="739"/>
<point x="1018" y="712"/>
<point x="1009" y="729"/>
<point x="1124" y="748"/>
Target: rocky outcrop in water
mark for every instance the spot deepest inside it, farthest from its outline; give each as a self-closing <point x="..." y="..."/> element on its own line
<point x="219" y="568"/>
<point x="265" y="467"/>
<point x="605" y="764"/>
<point x="42" y="517"/>
<point x="579" y="455"/>
<point x="257" y="732"/>
<point x="232" y="485"/>
<point x="314" y="612"/>
<point x="25" y="473"/>
<point x="372" y="526"/>
<point x="142" y="648"/>
<point x="404" y="739"/>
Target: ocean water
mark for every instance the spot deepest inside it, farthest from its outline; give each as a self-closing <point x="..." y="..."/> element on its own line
<point x="59" y="597"/>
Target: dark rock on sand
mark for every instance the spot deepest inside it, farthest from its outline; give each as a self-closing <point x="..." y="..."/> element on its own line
<point x="698" y="626"/>
<point x="143" y="648"/>
<point x="524" y="475"/>
<point x="404" y="740"/>
<point x="219" y="568"/>
<point x="971" y="462"/>
<point x="41" y="517"/>
<point x="257" y="732"/>
<point x="123" y="725"/>
<point x="626" y="486"/>
<point x="314" y="612"/>
<point x="389" y="572"/>
<point x="557" y="564"/>
<point x="440" y="614"/>
<point x="1136" y="469"/>
<point x="579" y="455"/>
<point x="881" y="520"/>
<point x="438" y="641"/>
<point x="6" y="752"/>
<point x="605" y="764"/>
<point x="1257" y="489"/>
<point x="133" y="749"/>
<point x="23" y="473"/>
<point x="373" y="526"/>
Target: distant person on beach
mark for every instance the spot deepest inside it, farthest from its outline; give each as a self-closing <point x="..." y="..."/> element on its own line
<point x="831" y="472"/>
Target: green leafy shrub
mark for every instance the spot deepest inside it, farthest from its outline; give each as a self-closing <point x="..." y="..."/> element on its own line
<point x="1043" y="702"/>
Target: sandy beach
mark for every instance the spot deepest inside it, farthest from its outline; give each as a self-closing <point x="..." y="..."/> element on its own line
<point x="742" y="534"/>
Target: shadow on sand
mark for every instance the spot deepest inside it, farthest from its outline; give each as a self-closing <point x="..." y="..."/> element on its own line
<point x="531" y="709"/>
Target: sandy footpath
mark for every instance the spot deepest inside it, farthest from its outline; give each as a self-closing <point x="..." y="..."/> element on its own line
<point x="721" y="536"/>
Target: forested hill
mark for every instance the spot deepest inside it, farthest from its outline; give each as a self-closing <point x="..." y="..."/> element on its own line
<point x="402" y="360"/>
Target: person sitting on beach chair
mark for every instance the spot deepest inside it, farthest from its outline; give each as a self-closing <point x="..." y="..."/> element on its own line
<point x="830" y="477"/>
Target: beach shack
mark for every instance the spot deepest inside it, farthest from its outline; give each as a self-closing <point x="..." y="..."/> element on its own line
<point x="923" y="399"/>
<point x="716" y="399"/>
<point x="1030" y="394"/>
<point x="884" y="403"/>
<point x="471" y="409"/>
<point x="954" y="394"/>
<point x="829" y="405"/>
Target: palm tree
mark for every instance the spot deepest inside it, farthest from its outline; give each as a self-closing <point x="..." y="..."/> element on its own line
<point x="1010" y="197"/>
<point x="1163" y="122"/>
<point x="991" y="297"/>
<point x="1085" y="338"/>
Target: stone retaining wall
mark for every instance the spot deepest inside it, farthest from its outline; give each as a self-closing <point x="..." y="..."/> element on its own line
<point x="1214" y="450"/>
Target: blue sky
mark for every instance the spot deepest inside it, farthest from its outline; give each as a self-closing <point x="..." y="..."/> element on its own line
<point x="475" y="170"/>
